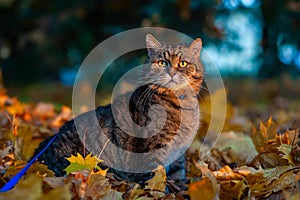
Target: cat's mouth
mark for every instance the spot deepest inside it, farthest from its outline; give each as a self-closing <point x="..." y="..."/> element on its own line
<point x="172" y="81"/>
<point x="173" y="84"/>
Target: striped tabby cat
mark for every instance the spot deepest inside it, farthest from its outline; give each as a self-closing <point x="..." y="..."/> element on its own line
<point x="169" y="70"/>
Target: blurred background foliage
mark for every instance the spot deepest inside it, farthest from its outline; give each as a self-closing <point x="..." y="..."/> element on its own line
<point x="44" y="42"/>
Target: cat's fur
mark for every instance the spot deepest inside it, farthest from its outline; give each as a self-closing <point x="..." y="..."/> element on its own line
<point x="157" y="91"/>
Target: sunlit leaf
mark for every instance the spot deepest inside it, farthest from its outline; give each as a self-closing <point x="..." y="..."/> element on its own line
<point x="79" y="163"/>
<point x="60" y="193"/>
<point x="26" y="141"/>
<point x="286" y="150"/>
<point x="206" y="188"/>
<point x="113" y="194"/>
<point x="272" y="174"/>
<point x="35" y="168"/>
<point x="98" y="186"/>
<point x="158" y="182"/>
<point x="135" y="193"/>
<point x="31" y="189"/>
<point x="232" y="189"/>
<point x="266" y="132"/>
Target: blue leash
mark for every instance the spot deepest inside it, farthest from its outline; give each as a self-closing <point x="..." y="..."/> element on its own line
<point x="12" y="182"/>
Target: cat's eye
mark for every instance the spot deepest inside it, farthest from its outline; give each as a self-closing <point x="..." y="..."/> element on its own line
<point x="162" y="63"/>
<point x="183" y="64"/>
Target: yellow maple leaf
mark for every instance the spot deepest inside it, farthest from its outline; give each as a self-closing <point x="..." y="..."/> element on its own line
<point x="79" y="163"/>
<point x="102" y="172"/>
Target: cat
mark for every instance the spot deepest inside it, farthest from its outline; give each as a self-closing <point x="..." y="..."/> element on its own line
<point x="173" y="77"/>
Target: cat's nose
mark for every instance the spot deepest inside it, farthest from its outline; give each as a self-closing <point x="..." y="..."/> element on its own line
<point x="172" y="72"/>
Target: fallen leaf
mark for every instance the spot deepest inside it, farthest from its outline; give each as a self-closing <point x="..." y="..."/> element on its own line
<point x="135" y="193"/>
<point x="35" y="168"/>
<point x="113" y="195"/>
<point x="286" y="149"/>
<point x="205" y="189"/>
<point x="31" y="189"/>
<point x="79" y="163"/>
<point x="26" y="142"/>
<point x="266" y="132"/>
<point x="60" y="193"/>
<point x="158" y="182"/>
<point x="97" y="186"/>
<point x="272" y="174"/>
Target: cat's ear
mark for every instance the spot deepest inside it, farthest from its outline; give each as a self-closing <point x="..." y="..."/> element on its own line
<point x="196" y="46"/>
<point x="152" y="44"/>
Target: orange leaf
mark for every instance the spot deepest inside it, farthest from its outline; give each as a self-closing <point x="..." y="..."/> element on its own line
<point x="205" y="189"/>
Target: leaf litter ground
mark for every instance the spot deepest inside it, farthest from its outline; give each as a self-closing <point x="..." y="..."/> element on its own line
<point x="252" y="159"/>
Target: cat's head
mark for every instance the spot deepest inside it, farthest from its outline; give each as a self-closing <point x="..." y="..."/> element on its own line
<point x="171" y="66"/>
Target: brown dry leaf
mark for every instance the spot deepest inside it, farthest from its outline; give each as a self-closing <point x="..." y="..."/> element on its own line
<point x="206" y="188"/>
<point x="14" y="169"/>
<point x="173" y="197"/>
<point x="266" y="132"/>
<point x="31" y="188"/>
<point x="158" y="182"/>
<point x="267" y="142"/>
<point x="112" y="195"/>
<point x="97" y="186"/>
<point x="25" y="140"/>
<point x="60" y="193"/>
<point x="251" y="175"/>
<point x="233" y="189"/>
<point x="286" y="149"/>
<point x="120" y="186"/>
<point x="36" y="168"/>
<point x="226" y="173"/>
<point x="234" y="183"/>
<point x="276" y="179"/>
<point x="271" y="159"/>
<point x="272" y="174"/>
<point x="289" y="137"/>
<point x="135" y="193"/>
<point x="157" y="194"/>
<point x="248" y="173"/>
<point x="285" y="181"/>
<point x="260" y="182"/>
